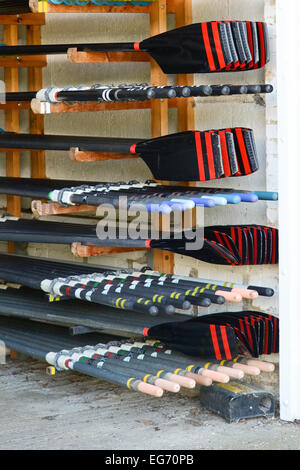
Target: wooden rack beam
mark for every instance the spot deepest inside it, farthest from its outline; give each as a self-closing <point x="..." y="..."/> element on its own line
<point x="162" y="261"/>
<point x="36" y="122"/>
<point x="12" y="124"/>
<point x="39" y="107"/>
<point x="82" y="57"/>
<point x="81" y="156"/>
<point x="84" y="251"/>
<point x="40" y="208"/>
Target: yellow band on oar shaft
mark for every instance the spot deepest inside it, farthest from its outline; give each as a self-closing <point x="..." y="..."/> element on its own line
<point x="43" y="6"/>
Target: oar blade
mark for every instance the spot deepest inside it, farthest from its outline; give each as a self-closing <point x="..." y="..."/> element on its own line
<point x="200" y="155"/>
<point x="197" y="339"/>
<point x="212" y="46"/>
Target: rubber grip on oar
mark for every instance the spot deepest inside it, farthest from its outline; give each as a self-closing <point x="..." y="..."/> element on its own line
<point x="264" y="291"/>
<point x="183" y="381"/>
<point x="246" y="293"/>
<point x="216" y="376"/>
<point x="236" y="373"/>
<point x="262" y="365"/>
<point x="150" y="389"/>
<point x="230" y="296"/>
<point x="249" y="370"/>
<point x="167" y="385"/>
<point x="200" y="379"/>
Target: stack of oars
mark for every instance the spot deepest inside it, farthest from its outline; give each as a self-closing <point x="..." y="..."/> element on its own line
<point x="218" y="336"/>
<point x="224" y="245"/>
<point x="139" y="367"/>
<point x="110" y="286"/>
<point x="149" y="196"/>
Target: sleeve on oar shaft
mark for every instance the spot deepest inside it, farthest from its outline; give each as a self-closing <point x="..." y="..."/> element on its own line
<point x="195" y="48"/>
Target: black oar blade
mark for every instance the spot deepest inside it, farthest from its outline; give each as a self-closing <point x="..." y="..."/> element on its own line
<point x="200" y="155"/>
<point x="195" y="338"/>
<point x="171" y="157"/>
<point x="212" y="46"/>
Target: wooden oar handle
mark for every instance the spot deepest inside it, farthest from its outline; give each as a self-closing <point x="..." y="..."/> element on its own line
<point x="230" y="296"/>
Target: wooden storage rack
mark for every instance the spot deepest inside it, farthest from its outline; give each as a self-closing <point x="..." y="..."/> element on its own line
<point x="157" y="11"/>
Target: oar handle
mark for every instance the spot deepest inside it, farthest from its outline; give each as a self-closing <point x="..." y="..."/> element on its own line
<point x="264" y="291"/>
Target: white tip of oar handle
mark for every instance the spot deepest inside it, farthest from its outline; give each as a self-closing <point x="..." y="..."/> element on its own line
<point x="200" y="379"/>
<point x="230" y="296"/>
<point x="167" y="385"/>
<point x="216" y="376"/>
<point x="246" y="293"/>
<point x="150" y="389"/>
<point x="249" y="370"/>
<point x="236" y="373"/>
<point x="262" y="365"/>
<point x="183" y="381"/>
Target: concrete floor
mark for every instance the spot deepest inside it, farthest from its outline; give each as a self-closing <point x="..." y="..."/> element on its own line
<point x="70" y="411"/>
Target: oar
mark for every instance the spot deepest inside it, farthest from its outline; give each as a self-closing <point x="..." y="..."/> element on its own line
<point x="68" y="192"/>
<point x="200" y="340"/>
<point x="201" y="367"/>
<point x="214" y="249"/>
<point x="263" y="366"/>
<point x="127" y="381"/>
<point x="214" y="46"/>
<point x="109" y="93"/>
<point x="98" y="93"/>
<point x="207" y="154"/>
<point x="219" y="287"/>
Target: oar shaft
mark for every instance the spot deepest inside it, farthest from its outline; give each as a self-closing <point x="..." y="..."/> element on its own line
<point x="49" y="49"/>
<point x="65" y="142"/>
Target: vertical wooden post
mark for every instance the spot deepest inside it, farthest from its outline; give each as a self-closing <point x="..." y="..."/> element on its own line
<point x="12" y="124"/>
<point x="186" y="120"/>
<point x="163" y="262"/>
<point x="36" y="121"/>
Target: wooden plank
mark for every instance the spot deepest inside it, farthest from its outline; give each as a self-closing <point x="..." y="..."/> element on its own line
<point x="186" y="115"/>
<point x="12" y="124"/>
<point x="15" y="105"/>
<point x="160" y="119"/>
<point x="40" y="208"/>
<point x="84" y="251"/>
<point x="23" y="61"/>
<point x="39" y="107"/>
<point x="36" y="122"/>
<point x="82" y="57"/>
<point x="81" y="156"/>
